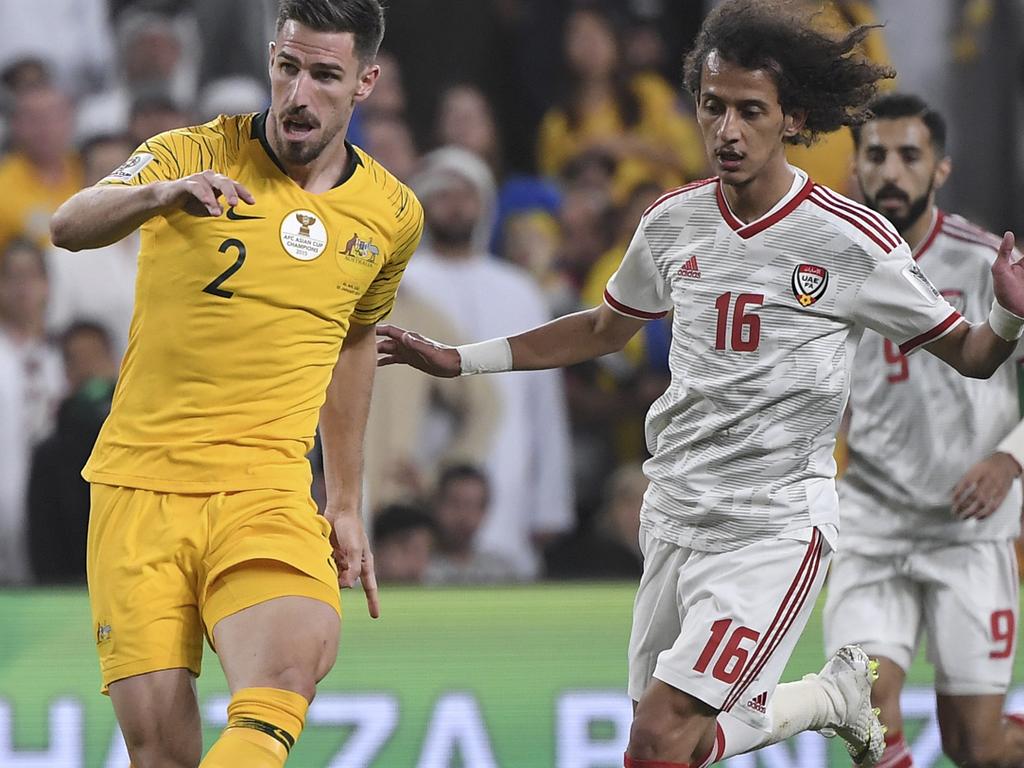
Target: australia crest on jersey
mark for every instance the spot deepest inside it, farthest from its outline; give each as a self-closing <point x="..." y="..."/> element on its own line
<point x="809" y="283"/>
<point x="361" y="250"/>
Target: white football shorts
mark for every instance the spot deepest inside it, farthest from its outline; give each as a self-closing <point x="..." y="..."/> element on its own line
<point x="721" y="626"/>
<point x="963" y="597"/>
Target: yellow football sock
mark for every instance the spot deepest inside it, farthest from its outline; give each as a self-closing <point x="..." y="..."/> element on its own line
<point x="263" y="724"/>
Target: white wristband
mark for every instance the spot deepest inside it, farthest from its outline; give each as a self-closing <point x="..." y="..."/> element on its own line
<point x="1004" y="323"/>
<point x="492" y="356"/>
<point x="1013" y="444"/>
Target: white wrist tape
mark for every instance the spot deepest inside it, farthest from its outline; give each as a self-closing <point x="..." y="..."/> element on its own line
<point x="492" y="356"/>
<point x="1004" y="323"/>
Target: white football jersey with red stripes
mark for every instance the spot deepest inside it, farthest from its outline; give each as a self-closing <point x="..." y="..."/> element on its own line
<point x="916" y="425"/>
<point x="767" y="316"/>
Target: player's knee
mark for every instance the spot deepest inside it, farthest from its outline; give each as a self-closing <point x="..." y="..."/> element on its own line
<point x="156" y="747"/>
<point x="973" y="751"/>
<point x="655" y="724"/>
<point x="299" y="678"/>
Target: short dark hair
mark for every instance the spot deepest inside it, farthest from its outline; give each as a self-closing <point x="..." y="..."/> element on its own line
<point x="893" y="106"/>
<point x="87" y="328"/>
<point x="23" y="243"/>
<point x="398" y="520"/>
<point x="363" y="18"/>
<point x="823" y="75"/>
<point x="457" y="472"/>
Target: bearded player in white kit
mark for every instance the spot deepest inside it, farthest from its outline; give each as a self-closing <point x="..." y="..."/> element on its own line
<point x="771" y="279"/>
<point x="927" y="549"/>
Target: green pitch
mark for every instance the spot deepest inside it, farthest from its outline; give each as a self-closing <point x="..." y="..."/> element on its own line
<point x="525" y="677"/>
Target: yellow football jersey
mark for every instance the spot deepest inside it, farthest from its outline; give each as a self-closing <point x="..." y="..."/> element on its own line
<point x="239" y="318"/>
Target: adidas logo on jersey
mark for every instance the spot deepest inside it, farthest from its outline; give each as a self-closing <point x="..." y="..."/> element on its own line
<point x="690" y="268"/>
<point x="759" y="703"/>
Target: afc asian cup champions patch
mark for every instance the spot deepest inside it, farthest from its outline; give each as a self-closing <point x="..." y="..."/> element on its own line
<point x="131" y="167"/>
<point x="809" y="283"/>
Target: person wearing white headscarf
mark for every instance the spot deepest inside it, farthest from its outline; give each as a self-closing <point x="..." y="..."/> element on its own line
<point x="529" y="463"/>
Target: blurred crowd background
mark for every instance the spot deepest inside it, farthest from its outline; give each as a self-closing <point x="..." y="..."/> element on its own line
<point x="536" y="132"/>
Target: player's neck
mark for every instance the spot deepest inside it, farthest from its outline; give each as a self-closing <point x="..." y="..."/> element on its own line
<point x="455" y="251"/>
<point x="753" y="199"/>
<point x="916" y="232"/>
<point x="324" y="171"/>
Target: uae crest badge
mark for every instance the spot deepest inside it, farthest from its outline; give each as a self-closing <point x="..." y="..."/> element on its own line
<point x="809" y="283"/>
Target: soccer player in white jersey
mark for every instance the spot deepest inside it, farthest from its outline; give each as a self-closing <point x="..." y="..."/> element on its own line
<point x="771" y="279"/>
<point x="927" y="549"/>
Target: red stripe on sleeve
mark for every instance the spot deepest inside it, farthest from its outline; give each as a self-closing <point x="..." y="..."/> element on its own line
<point x="625" y="309"/>
<point x="939" y="330"/>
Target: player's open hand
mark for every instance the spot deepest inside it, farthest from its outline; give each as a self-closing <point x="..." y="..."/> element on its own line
<point x="980" y="492"/>
<point x="200" y="193"/>
<point x="397" y="345"/>
<point x="1008" y="277"/>
<point x="353" y="556"/>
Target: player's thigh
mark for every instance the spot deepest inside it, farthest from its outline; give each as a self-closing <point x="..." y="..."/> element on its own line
<point x="971" y="613"/>
<point x="970" y="725"/>
<point x="656" y="619"/>
<point x="159" y="717"/>
<point x="266" y="544"/>
<point x="142" y="568"/>
<point x="870" y="601"/>
<point x="742" y="615"/>
<point x="286" y="642"/>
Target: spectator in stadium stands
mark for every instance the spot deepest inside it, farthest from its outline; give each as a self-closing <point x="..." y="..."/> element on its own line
<point x="389" y="140"/>
<point x="155" y="53"/>
<point x="466" y="119"/>
<point x="231" y="96"/>
<point x="98" y="285"/>
<point x="460" y="508"/>
<point x="529" y="464"/>
<point x="42" y="169"/>
<point x="72" y="36"/>
<point x="403" y="539"/>
<point x="154" y="112"/>
<point x="25" y="73"/>
<point x="418" y="424"/>
<point x="388" y="97"/>
<point x="58" y="496"/>
<point x="828" y="161"/>
<point x="611" y="548"/>
<point x="31" y="383"/>
<point x="636" y="120"/>
<point x="588" y="223"/>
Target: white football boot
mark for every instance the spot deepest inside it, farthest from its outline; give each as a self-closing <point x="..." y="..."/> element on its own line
<point x="848" y="676"/>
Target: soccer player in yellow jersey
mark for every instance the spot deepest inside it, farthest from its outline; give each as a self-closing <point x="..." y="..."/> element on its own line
<point x="270" y="249"/>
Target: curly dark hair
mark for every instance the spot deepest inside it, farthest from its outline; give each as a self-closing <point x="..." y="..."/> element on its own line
<point x="828" y="77"/>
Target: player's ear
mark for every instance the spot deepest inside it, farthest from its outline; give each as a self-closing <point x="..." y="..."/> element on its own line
<point x="271" y="50"/>
<point x="793" y="122"/>
<point x="942" y="170"/>
<point x="367" y="80"/>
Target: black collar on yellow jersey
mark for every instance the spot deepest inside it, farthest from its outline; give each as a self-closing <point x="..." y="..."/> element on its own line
<point x="259" y="131"/>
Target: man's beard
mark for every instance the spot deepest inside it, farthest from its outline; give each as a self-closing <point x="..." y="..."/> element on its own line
<point x="303" y="152"/>
<point x="915" y="208"/>
<point x="456" y="234"/>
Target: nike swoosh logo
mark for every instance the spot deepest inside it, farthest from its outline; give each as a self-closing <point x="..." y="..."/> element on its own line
<point x="232" y="216"/>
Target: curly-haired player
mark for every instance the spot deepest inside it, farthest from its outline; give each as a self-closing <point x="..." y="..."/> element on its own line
<point x="772" y="280"/>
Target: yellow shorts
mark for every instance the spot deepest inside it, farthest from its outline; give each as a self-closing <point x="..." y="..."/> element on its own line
<point x="164" y="568"/>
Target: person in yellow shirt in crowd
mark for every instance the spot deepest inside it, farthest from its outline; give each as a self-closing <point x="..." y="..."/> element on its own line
<point x="635" y="120"/>
<point x="42" y="170"/>
<point x="830" y="159"/>
<point x="268" y="241"/>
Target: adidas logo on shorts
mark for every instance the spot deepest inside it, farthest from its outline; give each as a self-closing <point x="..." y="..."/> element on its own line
<point x="759" y="703"/>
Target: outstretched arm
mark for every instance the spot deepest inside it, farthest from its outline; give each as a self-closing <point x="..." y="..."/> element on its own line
<point x="979" y="350"/>
<point x="105" y="213"/>
<point x="565" y="341"/>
